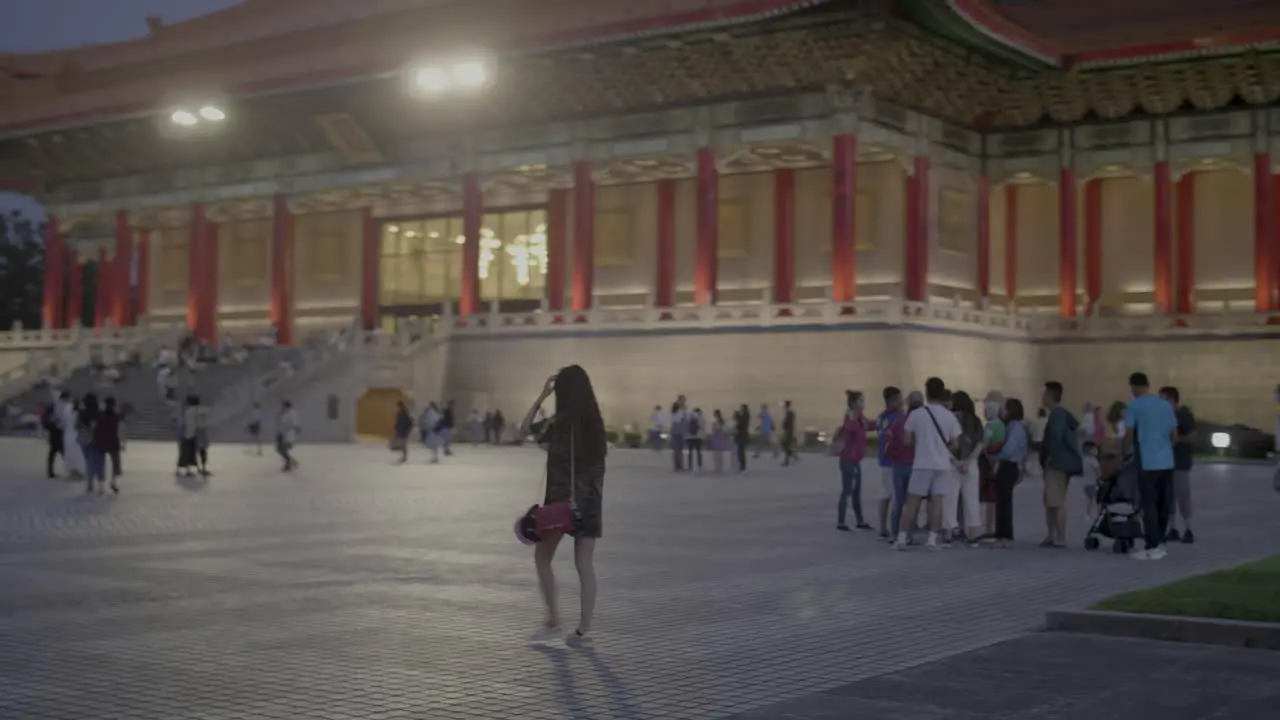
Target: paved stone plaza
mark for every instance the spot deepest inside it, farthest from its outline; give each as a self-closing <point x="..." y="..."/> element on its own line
<point x="353" y="589"/>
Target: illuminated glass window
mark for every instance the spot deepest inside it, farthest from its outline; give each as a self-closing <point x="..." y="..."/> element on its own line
<point x="422" y="259"/>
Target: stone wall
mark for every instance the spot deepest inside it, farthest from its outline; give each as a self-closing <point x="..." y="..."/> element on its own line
<point x="1225" y="380"/>
<point x="727" y="367"/>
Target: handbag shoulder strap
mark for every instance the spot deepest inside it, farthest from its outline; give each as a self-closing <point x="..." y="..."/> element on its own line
<point x="936" y="426"/>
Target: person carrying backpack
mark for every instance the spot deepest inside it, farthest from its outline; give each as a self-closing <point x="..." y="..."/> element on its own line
<point x="1062" y="459"/>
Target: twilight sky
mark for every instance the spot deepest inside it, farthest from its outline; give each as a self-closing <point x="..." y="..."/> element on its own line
<point x="34" y="25"/>
<point x="37" y="25"/>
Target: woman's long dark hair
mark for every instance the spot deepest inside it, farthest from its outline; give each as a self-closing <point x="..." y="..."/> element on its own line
<point x="89" y="409"/>
<point x="962" y="403"/>
<point x="576" y="407"/>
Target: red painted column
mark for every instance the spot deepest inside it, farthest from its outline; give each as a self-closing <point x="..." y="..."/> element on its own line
<point x="202" y="296"/>
<point x="472" y="212"/>
<point x="923" y="240"/>
<point x="910" y="258"/>
<point x="557" y="233"/>
<point x="1067" y="232"/>
<point x="282" y="270"/>
<point x="209" y="297"/>
<point x="103" y="291"/>
<point x="984" y="237"/>
<point x="665" y="283"/>
<point x="1011" y="241"/>
<point x="708" y="239"/>
<point x="1185" y="279"/>
<point x="144" y="274"/>
<point x="369" y="260"/>
<point x="1163" y="280"/>
<point x="1275" y="248"/>
<point x="844" y="222"/>
<point x="1092" y="243"/>
<point x="584" y="235"/>
<point x="122" y="280"/>
<point x="1264" y="228"/>
<point x="75" y="292"/>
<point x="784" y="235"/>
<point x="195" y="267"/>
<point x="55" y="268"/>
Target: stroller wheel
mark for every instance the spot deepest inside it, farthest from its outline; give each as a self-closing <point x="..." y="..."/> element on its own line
<point x="1091" y="543"/>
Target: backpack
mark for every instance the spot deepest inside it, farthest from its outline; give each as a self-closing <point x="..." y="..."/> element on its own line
<point x="49" y="419"/>
<point x="695" y="424"/>
<point x="895" y="449"/>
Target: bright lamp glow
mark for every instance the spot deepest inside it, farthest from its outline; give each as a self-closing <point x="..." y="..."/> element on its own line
<point x="432" y="79"/>
<point x="1221" y="440"/>
<point x="184" y="118"/>
<point x="470" y="74"/>
<point x="212" y="114"/>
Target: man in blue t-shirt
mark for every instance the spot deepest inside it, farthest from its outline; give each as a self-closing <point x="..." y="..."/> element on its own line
<point x="1153" y="431"/>
<point x="884" y="421"/>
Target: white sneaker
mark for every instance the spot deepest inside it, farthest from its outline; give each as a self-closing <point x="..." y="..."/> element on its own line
<point x="1157" y="553"/>
<point x="899" y="544"/>
<point x="545" y="635"/>
<point x="577" y="639"/>
<point x="1139" y="554"/>
<point x="931" y="544"/>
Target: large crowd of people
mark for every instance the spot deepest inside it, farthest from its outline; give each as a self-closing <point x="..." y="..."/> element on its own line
<point x="937" y="455"/>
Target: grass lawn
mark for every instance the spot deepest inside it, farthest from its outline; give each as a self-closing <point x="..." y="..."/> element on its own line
<point x="1248" y="592"/>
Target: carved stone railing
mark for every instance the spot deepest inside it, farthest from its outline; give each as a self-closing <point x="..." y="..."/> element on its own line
<point x="998" y="322"/>
<point x="73" y="349"/>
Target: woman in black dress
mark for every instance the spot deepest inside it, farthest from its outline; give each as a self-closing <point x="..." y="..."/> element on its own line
<point x="575" y="441"/>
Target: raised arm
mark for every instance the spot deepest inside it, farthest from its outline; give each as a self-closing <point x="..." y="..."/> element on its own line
<point x="526" y="425"/>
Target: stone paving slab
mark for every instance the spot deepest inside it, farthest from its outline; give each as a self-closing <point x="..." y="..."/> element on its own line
<point x="1065" y="677"/>
<point x="354" y="589"/>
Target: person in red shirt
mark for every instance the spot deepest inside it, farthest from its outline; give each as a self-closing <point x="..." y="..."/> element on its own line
<point x="903" y="456"/>
<point x="853" y="435"/>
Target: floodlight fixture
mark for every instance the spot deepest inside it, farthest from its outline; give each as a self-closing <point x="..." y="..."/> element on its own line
<point x="470" y="74"/>
<point x="213" y="113"/>
<point x="433" y="79"/>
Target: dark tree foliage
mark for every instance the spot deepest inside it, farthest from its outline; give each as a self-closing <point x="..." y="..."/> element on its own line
<point x="21" y="270"/>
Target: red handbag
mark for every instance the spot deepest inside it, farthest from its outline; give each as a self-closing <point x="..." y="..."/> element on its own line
<point x="544" y="521"/>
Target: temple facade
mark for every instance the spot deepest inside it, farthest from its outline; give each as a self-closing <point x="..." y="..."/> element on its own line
<point x="663" y="188"/>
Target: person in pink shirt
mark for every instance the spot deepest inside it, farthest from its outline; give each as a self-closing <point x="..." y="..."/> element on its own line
<point x="853" y="435"/>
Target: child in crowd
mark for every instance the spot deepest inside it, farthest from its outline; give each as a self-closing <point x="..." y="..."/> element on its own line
<point x="1092" y="471"/>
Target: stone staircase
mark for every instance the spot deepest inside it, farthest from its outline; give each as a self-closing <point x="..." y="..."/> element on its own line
<point x="153" y="419"/>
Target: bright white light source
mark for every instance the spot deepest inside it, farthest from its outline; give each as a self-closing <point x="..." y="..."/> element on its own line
<point x="470" y="74"/>
<point x="1221" y="440"/>
<point x="432" y="79"/>
<point x="212" y="114"/>
<point x="184" y="118"/>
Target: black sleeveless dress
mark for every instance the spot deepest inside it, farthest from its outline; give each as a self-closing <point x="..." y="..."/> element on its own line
<point x="573" y="473"/>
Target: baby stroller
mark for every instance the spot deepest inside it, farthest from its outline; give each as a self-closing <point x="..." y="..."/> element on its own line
<point x="1119" y="511"/>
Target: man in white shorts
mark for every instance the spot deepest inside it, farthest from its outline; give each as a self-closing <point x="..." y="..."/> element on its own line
<point x="933" y="431"/>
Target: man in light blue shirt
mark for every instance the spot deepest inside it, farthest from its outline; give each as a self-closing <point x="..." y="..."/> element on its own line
<point x="1153" y="430"/>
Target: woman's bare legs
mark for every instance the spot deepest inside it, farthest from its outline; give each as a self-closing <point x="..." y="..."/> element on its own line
<point x="543" y="553"/>
<point x="584" y="550"/>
